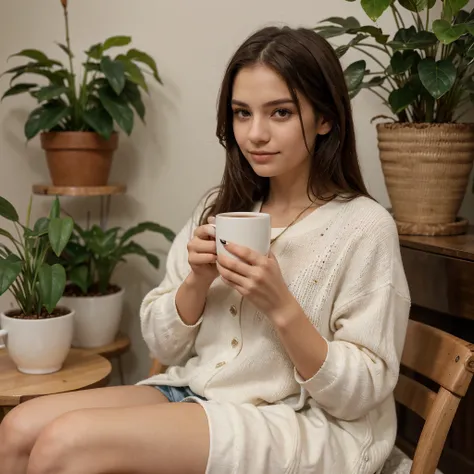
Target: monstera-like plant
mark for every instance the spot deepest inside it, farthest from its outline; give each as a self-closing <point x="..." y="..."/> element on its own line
<point x="422" y="71"/>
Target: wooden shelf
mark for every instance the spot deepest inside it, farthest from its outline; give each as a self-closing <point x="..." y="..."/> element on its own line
<point x="50" y="190"/>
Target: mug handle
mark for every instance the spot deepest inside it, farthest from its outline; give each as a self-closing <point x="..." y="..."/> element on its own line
<point x="3" y="333"/>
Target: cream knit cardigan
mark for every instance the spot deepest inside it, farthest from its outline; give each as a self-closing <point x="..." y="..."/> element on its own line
<point x="342" y="263"/>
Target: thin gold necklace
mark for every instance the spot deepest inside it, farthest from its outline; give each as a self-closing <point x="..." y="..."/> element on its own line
<point x="272" y="241"/>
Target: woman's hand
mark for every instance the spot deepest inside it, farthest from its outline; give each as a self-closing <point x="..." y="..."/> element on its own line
<point x="257" y="278"/>
<point x="202" y="253"/>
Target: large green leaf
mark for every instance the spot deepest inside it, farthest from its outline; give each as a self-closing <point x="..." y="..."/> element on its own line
<point x="37" y="56"/>
<point x="50" y="92"/>
<point x="99" y="120"/>
<point x="19" y="89"/>
<point x="375" y="8"/>
<point x="114" y="71"/>
<point x="417" y="5"/>
<point x="55" y="210"/>
<point x="404" y="61"/>
<point x="115" y="41"/>
<point x="142" y="57"/>
<point x="80" y="276"/>
<point x="400" y="99"/>
<point x="354" y="74"/>
<point x="371" y="30"/>
<point x="7" y="210"/>
<point x="45" y="118"/>
<point x="349" y="22"/>
<point x="410" y="38"/>
<point x="330" y="31"/>
<point x="40" y="228"/>
<point x="136" y="249"/>
<point x="131" y="93"/>
<point x="148" y="226"/>
<point x="118" y="108"/>
<point x="437" y="76"/>
<point x="6" y="234"/>
<point x="10" y="268"/>
<point x="101" y="243"/>
<point x="446" y="32"/>
<point x="452" y="7"/>
<point x="95" y="51"/>
<point x="55" y="77"/>
<point x="59" y="233"/>
<point x="52" y="281"/>
<point x="133" y="72"/>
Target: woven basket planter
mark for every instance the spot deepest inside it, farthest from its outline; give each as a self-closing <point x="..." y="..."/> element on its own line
<point x="426" y="169"/>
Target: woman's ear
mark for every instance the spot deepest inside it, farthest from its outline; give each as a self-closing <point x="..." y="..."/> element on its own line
<point x="323" y="126"/>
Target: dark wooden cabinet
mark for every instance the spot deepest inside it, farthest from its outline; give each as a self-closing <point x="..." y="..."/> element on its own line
<point x="440" y="273"/>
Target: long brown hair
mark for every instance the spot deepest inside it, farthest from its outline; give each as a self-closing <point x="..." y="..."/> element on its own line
<point x="309" y="65"/>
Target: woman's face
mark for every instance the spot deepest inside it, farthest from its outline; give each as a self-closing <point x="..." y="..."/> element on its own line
<point x="266" y="124"/>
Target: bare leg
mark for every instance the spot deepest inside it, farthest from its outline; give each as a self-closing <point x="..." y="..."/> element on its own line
<point x="153" y="439"/>
<point x="22" y="425"/>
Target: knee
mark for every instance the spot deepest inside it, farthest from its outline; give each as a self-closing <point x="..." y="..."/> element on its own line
<point x="60" y="445"/>
<point x="17" y="431"/>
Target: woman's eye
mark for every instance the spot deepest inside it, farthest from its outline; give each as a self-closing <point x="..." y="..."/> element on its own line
<point x="241" y="113"/>
<point x="282" y="113"/>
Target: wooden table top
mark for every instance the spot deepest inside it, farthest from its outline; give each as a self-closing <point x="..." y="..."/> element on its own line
<point x="81" y="370"/>
<point x="456" y="246"/>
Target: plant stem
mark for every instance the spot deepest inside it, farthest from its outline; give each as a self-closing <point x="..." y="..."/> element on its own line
<point x="377" y="61"/>
<point x="396" y="12"/>
<point x="72" y="80"/>
<point x="384" y="100"/>
<point x="395" y="17"/>
<point x="427" y="17"/>
<point x="376" y="47"/>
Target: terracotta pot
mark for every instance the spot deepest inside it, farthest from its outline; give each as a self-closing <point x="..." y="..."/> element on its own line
<point x="78" y="158"/>
<point x="426" y="169"/>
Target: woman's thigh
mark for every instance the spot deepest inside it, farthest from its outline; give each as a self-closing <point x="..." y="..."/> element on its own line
<point x="23" y="424"/>
<point x="168" y="438"/>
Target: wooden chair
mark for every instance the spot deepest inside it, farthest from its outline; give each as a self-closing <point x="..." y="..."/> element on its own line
<point x="444" y="359"/>
<point x="449" y="362"/>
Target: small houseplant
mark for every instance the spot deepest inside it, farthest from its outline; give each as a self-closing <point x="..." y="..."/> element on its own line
<point x="90" y="259"/>
<point x="424" y="76"/>
<point x="78" y="113"/>
<point x="38" y="331"/>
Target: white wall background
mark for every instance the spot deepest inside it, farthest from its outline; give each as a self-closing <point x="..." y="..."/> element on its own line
<point x="171" y="162"/>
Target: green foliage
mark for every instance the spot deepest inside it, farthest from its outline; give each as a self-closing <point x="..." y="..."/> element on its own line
<point x="92" y="255"/>
<point x="107" y="93"/>
<point x="23" y="268"/>
<point x="424" y="70"/>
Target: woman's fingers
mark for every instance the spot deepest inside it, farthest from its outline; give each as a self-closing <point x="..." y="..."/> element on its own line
<point x="205" y="232"/>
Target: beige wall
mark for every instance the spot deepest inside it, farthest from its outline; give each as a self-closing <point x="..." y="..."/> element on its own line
<point x="168" y="164"/>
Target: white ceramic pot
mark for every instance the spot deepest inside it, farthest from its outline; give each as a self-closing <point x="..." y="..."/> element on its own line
<point x="37" y="346"/>
<point x="97" y="318"/>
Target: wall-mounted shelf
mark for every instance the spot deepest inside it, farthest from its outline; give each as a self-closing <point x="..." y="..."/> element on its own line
<point x="104" y="192"/>
<point x="50" y="190"/>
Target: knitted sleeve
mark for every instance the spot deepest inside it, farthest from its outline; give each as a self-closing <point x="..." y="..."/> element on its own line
<point x="368" y="323"/>
<point x="168" y="338"/>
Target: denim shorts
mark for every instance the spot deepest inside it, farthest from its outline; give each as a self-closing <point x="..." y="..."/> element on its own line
<point x="176" y="394"/>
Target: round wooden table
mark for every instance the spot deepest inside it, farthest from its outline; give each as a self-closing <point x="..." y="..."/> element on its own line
<point x="114" y="350"/>
<point x="81" y="370"/>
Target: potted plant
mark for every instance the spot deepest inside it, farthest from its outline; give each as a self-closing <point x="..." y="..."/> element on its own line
<point x="424" y="76"/>
<point x="78" y="113"/>
<point x="38" y="333"/>
<point x="90" y="259"/>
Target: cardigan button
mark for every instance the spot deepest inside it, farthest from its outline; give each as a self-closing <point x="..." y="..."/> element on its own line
<point x="220" y="364"/>
<point x="234" y="343"/>
<point x="233" y="310"/>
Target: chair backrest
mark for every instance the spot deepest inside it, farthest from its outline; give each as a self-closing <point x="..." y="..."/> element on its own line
<point x="449" y="362"/>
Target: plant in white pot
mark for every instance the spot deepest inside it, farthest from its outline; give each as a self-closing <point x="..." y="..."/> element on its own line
<point x="38" y="333"/>
<point x="424" y="76"/>
<point x="90" y="259"/>
<point x="78" y="114"/>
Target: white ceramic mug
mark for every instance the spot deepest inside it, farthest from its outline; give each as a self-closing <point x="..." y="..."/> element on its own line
<point x="249" y="229"/>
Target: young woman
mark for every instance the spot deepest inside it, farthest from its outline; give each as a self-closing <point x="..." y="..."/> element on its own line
<point x="287" y="361"/>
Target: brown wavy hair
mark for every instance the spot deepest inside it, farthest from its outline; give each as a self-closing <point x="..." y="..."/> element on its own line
<point x="308" y="64"/>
